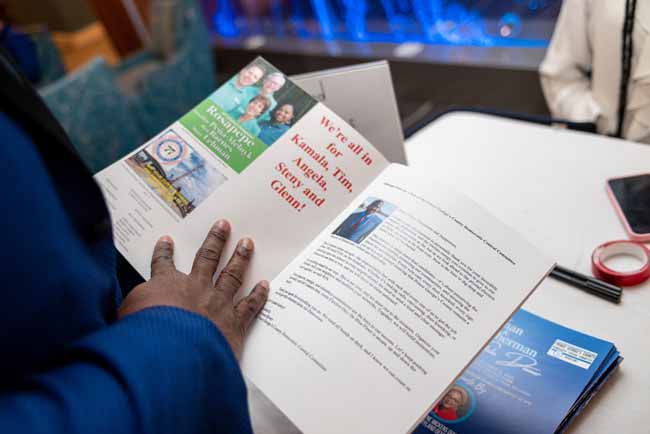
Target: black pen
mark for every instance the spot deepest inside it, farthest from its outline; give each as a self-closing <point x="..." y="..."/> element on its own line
<point x="590" y="284"/>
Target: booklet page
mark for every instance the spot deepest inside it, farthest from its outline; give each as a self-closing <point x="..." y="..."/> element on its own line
<point x="379" y="315"/>
<point x="259" y="152"/>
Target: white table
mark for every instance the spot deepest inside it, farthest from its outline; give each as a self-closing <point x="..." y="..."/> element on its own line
<point x="549" y="184"/>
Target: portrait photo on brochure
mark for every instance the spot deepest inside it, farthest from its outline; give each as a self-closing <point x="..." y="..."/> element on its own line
<point x="263" y="101"/>
<point x="455" y="406"/>
<point x="365" y="219"/>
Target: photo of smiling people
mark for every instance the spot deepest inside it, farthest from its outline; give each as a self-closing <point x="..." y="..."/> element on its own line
<point x="263" y="101"/>
<point x="364" y="220"/>
<point x="289" y="103"/>
<point x="272" y="83"/>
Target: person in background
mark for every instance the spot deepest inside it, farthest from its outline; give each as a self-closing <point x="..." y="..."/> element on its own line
<point x="271" y="84"/>
<point x="597" y="67"/>
<point x="76" y="358"/>
<point x="447" y="407"/>
<point x="360" y="224"/>
<point x="280" y="122"/>
<point x="239" y="90"/>
<point x="248" y="118"/>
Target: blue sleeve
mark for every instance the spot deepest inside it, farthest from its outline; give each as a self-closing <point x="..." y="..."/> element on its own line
<point x="24" y="51"/>
<point x="161" y="370"/>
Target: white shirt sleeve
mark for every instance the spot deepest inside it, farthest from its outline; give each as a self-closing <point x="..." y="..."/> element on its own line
<point x="568" y="62"/>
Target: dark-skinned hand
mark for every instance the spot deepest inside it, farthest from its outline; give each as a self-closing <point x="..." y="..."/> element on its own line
<point x="196" y="292"/>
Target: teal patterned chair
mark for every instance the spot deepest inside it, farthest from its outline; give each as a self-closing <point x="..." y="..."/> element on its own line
<point x="109" y="111"/>
<point x="96" y="116"/>
<point x="176" y="72"/>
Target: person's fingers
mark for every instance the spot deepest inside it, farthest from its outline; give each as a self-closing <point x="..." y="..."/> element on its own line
<point x="232" y="275"/>
<point x="162" y="259"/>
<point x="207" y="257"/>
<point x="248" y="307"/>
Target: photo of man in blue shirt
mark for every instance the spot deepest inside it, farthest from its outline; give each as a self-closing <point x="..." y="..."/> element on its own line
<point x="239" y="90"/>
<point x="361" y="224"/>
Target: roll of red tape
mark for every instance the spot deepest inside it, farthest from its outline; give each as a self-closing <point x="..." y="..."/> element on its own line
<point x="616" y="248"/>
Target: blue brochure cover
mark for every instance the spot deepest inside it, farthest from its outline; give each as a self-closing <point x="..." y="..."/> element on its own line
<point x="525" y="381"/>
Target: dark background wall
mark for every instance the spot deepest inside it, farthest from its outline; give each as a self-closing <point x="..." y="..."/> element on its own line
<point x="58" y="15"/>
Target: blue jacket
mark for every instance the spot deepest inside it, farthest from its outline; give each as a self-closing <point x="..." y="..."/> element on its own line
<point x="66" y="365"/>
<point x="358" y="226"/>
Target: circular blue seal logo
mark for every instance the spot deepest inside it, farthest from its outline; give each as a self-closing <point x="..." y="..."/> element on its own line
<point x="170" y="151"/>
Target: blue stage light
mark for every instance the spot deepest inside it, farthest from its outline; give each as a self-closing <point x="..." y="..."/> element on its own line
<point x="277" y="16"/>
<point x="509" y="25"/>
<point x="224" y="19"/>
<point x="458" y="25"/>
<point x="297" y="16"/>
<point x="428" y="13"/>
<point x="323" y="10"/>
<point x="396" y="14"/>
<point x="355" y="18"/>
<point x="454" y="22"/>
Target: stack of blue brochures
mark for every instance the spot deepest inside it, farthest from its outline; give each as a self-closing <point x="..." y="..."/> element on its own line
<point x="534" y="377"/>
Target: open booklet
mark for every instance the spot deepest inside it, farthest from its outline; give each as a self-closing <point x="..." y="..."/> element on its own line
<point x="385" y="284"/>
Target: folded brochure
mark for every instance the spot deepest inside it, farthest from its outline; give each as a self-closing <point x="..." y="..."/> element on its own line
<point x="534" y="377"/>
